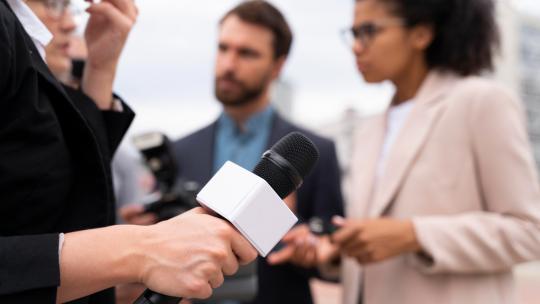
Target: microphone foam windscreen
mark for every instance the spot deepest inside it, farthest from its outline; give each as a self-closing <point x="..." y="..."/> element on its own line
<point x="299" y="152"/>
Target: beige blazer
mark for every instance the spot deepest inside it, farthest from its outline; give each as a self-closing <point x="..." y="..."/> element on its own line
<point x="462" y="169"/>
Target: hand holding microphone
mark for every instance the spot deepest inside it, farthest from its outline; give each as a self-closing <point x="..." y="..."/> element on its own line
<point x="252" y="202"/>
<point x="192" y="264"/>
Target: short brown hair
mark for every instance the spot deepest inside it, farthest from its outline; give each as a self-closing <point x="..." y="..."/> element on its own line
<point x="264" y="14"/>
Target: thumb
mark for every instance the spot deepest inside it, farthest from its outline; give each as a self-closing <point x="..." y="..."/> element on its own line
<point x="197" y="210"/>
<point x="339" y="221"/>
<point x="281" y="256"/>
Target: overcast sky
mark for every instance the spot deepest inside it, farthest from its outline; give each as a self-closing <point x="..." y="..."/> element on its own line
<point x="166" y="71"/>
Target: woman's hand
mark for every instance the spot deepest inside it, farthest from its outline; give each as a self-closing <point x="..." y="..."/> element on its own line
<point x="106" y="35"/>
<point x="304" y="249"/>
<point x="375" y="240"/>
<point x="107" y="31"/>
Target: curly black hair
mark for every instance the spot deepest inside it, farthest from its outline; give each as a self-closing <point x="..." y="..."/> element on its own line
<point x="466" y="32"/>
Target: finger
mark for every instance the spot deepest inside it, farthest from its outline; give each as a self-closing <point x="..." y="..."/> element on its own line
<point x="302" y="253"/>
<point x="127" y="7"/>
<point x="290" y="236"/>
<point x="112" y="14"/>
<point x="364" y="258"/>
<point x="338" y="221"/>
<point x="355" y="250"/>
<point x="243" y="250"/>
<point x="295" y="233"/>
<point x="217" y="280"/>
<point x="311" y="258"/>
<point x="302" y="247"/>
<point x="203" y="291"/>
<point x="355" y="242"/>
<point x="282" y="256"/>
<point x="230" y="265"/>
<point x="311" y="253"/>
<point x="345" y="234"/>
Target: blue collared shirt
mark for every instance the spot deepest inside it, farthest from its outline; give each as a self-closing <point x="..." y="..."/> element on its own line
<point x="243" y="147"/>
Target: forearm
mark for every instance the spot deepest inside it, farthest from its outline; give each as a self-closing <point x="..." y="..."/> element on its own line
<point x="93" y="260"/>
<point x="477" y="242"/>
<point x="98" y="84"/>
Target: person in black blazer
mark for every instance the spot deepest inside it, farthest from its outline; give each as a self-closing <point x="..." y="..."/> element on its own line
<point x="254" y="41"/>
<point x="56" y="144"/>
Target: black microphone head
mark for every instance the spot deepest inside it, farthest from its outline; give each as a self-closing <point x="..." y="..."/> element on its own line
<point x="286" y="164"/>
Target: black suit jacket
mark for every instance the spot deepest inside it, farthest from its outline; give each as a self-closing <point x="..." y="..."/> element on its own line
<point x="319" y="195"/>
<point x="55" y="151"/>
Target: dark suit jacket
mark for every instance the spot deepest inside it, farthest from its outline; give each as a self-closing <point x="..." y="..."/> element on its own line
<point x="55" y="150"/>
<point x="319" y="195"/>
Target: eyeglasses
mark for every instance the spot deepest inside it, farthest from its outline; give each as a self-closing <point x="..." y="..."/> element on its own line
<point x="367" y="31"/>
<point x="55" y="8"/>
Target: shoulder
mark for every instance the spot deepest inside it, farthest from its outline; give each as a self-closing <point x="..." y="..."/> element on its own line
<point x="7" y="29"/>
<point x="480" y="92"/>
<point x="483" y="101"/>
<point x="7" y="21"/>
<point x="191" y="140"/>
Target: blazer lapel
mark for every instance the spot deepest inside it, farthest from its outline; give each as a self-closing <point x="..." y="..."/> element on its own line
<point x="41" y="67"/>
<point x="280" y="128"/>
<point x="206" y="153"/>
<point x="411" y="139"/>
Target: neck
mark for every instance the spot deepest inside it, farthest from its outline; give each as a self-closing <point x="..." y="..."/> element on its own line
<point x="240" y="114"/>
<point x="409" y="83"/>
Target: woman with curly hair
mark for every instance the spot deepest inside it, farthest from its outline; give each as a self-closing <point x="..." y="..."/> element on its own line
<point x="447" y="196"/>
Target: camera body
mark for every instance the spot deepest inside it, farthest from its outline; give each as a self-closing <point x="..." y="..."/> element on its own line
<point x="173" y="196"/>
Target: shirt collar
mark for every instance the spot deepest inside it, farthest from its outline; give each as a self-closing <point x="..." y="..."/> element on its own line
<point x="34" y="27"/>
<point x="252" y="125"/>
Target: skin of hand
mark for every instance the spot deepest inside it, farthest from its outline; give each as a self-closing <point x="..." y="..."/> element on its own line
<point x="211" y="249"/>
<point x="186" y="256"/>
<point x="106" y="34"/>
<point x="304" y="249"/>
<point x="375" y="240"/>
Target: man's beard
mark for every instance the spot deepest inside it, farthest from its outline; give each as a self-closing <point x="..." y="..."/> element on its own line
<point x="244" y="95"/>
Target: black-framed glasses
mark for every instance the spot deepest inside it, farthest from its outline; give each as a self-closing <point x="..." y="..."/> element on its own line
<point x="367" y="31"/>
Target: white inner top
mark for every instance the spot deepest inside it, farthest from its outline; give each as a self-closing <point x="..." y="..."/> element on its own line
<point x="34" y="27"/>
<point x="396" y="117"/>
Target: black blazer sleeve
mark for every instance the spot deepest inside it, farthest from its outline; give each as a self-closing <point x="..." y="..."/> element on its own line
<point x="26" y="262"/>
<point x="109" y="126"/>
<point x="29" y="262"/>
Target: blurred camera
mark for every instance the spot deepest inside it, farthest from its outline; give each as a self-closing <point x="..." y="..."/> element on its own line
<point x="172" y="196"/>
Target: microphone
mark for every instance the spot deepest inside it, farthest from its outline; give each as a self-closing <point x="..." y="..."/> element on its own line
<point x="280" y="171"/>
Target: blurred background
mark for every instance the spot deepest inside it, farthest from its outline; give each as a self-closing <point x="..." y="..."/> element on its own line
<point x="166" y="74"/>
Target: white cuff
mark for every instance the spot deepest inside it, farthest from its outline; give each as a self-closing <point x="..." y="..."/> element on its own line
<point x="60" y="243"/>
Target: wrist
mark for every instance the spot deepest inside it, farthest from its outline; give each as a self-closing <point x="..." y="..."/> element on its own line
<point x="98" y="85"/>
<point x="102" y="67"/>
<point x="411" y="241"/>
<point x="133" y="253"/>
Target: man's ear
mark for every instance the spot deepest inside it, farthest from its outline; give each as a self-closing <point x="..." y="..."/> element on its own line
<point x="278" y="66"/>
